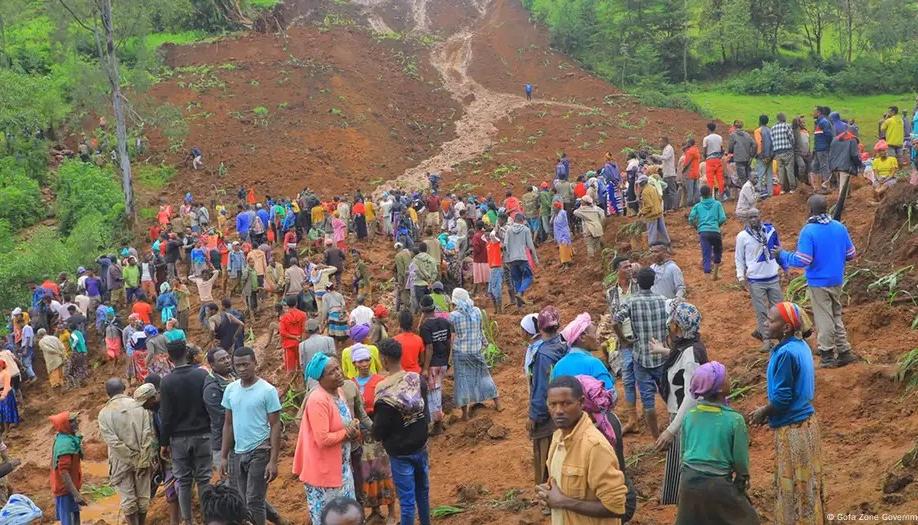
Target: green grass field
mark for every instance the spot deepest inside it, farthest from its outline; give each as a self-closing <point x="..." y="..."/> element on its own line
<point x="865" y="110"/>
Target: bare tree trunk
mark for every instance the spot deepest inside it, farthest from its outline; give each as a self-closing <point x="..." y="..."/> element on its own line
<point x="110" y="61"/>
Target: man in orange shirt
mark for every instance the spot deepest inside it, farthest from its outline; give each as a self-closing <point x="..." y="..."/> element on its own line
<point x="512" y="205"/>
<point x="143" y="309"/>
<point x="412" y="344"/>
<point x="692" y="158"/>
<point x="66" y="471"/>
<point x="291" y="325"/>
<point x="496" y="275"/>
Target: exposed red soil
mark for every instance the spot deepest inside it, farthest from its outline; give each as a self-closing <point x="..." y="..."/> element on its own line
<point x="485" y="465"/>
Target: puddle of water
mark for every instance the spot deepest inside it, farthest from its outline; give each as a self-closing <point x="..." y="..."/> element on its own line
<point x="105" y="508"/>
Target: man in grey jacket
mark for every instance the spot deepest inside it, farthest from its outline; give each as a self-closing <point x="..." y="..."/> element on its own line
<point x="517" y="239"/>
<point x="742" y="147"/>
<point x="845" y="162"/>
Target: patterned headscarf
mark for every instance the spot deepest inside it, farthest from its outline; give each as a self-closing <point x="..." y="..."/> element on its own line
<point x="597" y="401"/>
<point x="708" y="379"/>
<point x="549" y="317"/>
<point x="790" y="312"/>
<point x="688" y="318"/>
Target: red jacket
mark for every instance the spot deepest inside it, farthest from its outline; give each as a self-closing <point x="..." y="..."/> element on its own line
<point x="291" y="326"/>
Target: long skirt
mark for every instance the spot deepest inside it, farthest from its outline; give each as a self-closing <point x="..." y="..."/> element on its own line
<point x="160" y="365"/>
<point x="360" y="226"/>
<point x="669" y="491"/>
<point x="139" y="359"/>
<point x="566" y="252"/>
<point x="473" y="382"/>
<point x="712" y="500"/>
<point x="78" y="369"/>
<point x="337" y="324"/>
<point x="9" y="410"/>
<point x="480" y="272"/>
<point x="56" y="377"/>
<point x="318" y="497"/>
<point x="800" y="498"/>
<point x="378" y="488"/>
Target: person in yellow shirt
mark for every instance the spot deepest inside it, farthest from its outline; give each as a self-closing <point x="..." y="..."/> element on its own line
<point x="651" y="211"/>
<point x="358" y="334"/>
<point x="586" y="485"/>
<point x="893" y="130"/>
<point x="884" y="168"/>
<point x="370" y="210"/>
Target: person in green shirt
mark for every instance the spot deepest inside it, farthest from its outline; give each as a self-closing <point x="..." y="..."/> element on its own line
<point x="545" y="197"/>
<point x="131" y="275"/>
<point x="715" y="456"/>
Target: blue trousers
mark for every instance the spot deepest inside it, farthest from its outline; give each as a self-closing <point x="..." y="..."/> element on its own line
<point x="410" y="475"/>
<point x="628" y="374"/>
<point x="712" y="247"/>
<point x="520" y="275"/>
<point x="647" y="379"/>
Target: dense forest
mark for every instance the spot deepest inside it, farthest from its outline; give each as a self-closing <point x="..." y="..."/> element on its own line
<point x="55" y="72"/>
<point x="744" y="46"/>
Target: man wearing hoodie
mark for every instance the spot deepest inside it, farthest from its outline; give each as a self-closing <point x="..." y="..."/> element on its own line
<point x="742" y="147"/>
<point x="844" y="159"/>
<point x="764" y="153"/>
<point x="547" y="351"/>
<point x="517" y="240"/>
<point x="707" y="217"/>
<point x="758" y="271"/>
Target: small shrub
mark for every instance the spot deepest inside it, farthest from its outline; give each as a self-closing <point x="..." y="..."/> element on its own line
<point x="154" y="177"/>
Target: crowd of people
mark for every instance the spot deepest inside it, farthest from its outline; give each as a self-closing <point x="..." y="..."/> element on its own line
<point x="373" y="364"/>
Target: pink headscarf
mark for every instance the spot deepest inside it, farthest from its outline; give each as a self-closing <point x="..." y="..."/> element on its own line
<point x="708" y="379"/>
<point x="575" y="328"/>
<point x="597" y="401"/>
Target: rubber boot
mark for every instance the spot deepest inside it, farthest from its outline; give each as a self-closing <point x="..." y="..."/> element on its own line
<point x="631" y="425"/>
<point x="714" y="270"/>
<point x="650" y="417"/>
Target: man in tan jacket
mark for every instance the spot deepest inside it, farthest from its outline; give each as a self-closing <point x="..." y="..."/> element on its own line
<point x="127" y="429"/>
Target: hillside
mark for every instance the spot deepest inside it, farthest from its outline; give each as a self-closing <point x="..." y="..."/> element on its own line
<point x="370" y="94"/>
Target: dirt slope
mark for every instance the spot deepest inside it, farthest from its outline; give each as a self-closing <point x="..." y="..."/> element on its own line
<point x="443" y="90"/>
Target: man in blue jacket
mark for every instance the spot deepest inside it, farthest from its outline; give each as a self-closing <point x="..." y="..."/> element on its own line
<point x="823" y="249"/>
<point x="550" y="348"/>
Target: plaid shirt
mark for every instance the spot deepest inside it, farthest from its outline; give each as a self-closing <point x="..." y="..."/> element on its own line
<point x="467" y="326"/>
<point x="647" y="312"/>
<point x="782" y="137"/>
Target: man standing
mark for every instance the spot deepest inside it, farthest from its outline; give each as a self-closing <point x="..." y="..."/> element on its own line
<point x="313" y="344"/>
<point x="758" y="271"/>
<point x="782" y="140"/>
<point x="668" y="159"/>
<point x="764" y="153"/>
<point x="127" y="429"/>
<point x="290" y="328"/>
<point x="823" y="136"/>
<point x="436" y="332"/>
<point x="742" y="147"/>
<point x="221" y="374"/>
<point x="893" y="128"/>
<point x="547" y="351"/>
<point x="592" y="217"/>
<point x="530" y="202"/>
<point x="185" y="426"/>
<point x="426" y="272"/>
<point x="707" y="217"/>
<point x="586" y="484"/>
<point x="251" y="430"/>
<point x="131" y="275"/>
<point x="669" y="281"/>
<point x="823" y="249"/>
<point x="250" y="285"/>
<point x="690" y="171"/>
<point x="651" y="212"/>
<point x="844" y="161"/>
<point x="402" y="261"/>
<point x="647" y="312"/>
<point x="517" y="240"/>
<point x="713" y="148"/>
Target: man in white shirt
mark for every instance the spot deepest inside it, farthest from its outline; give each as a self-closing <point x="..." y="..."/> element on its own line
<point x="667" y="158"/>
<point x="712" y="147"/>
<point x="758" y="271"/>
<point x="361" y="314"/>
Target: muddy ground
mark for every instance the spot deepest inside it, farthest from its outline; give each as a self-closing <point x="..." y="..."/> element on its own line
<point x="438" y="85"/>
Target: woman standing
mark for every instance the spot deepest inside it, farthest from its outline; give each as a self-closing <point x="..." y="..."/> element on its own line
<point x="715" y="461"/>
<point x="332" y="313"/>
<point x="166" y="303"/>
<point x="473" y="383"/>
<point x="9" y="410"/>
<point x="360" y="220"/>
<point x="323" y="446"/>
<point x="157" y="358"/>
<point x="79" y="362"/>
<point x="562" y="231"/>
<point x="339" y="232"/>
<point x="378" y="488"/>
<point x="685" y="355"/>
<point x="790" y="413"/>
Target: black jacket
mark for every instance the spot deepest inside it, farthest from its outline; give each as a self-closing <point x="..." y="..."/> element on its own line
<point x="214" y="386"/>
<point x="181" y="405"/>
<point x="398" y="439"/>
